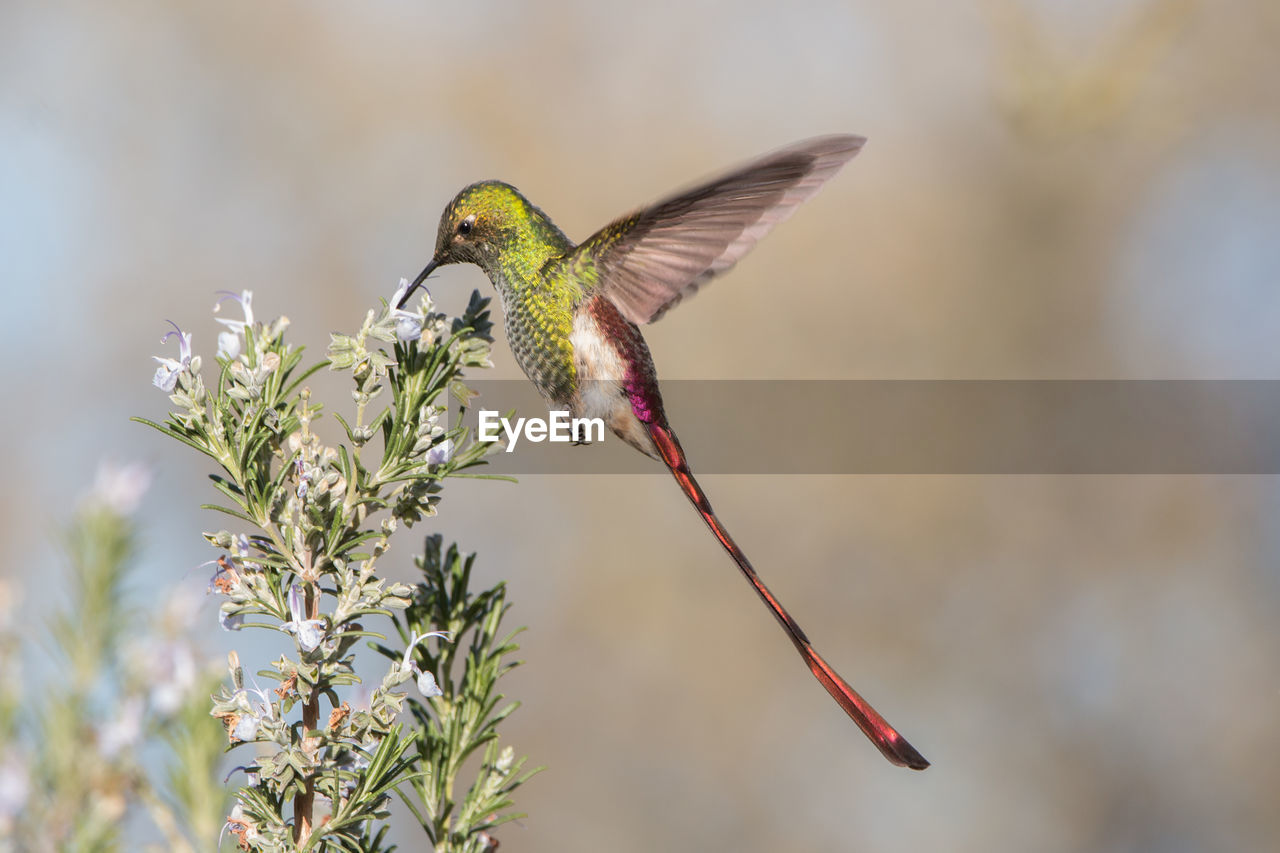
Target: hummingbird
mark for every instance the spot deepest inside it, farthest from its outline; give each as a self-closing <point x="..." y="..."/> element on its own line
<point x="573" y="314"/>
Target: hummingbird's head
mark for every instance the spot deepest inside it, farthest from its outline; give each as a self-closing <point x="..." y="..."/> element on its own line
<point x="482" y="222"/>
<point x="479" y="222"/>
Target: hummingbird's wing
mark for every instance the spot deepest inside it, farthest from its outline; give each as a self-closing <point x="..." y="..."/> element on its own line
<point x="650" y="260"/>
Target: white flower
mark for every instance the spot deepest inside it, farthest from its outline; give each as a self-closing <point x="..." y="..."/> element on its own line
<point x="408" y="324"/>
<point x="256" y="713"/>
<point x="245" y="298"/>
<point x="427" y="685"/>
<point x="426" y="681"/>
<point x="400" y="292"/>
<point x="166" y="378"/>
<point x="246" y="727"/>
<point x="228" y="345"/>
<point x="229" y="342"/>
<point x="310" y="632"/>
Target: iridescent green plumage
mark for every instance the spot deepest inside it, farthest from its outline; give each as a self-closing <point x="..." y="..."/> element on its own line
<point x="524" y="254"/>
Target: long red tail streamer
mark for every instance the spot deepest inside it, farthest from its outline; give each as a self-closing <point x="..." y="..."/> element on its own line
<point x="893" y="745"/>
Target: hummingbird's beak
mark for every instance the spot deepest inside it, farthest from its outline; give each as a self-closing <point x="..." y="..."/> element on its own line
<point x="422" y="276"/>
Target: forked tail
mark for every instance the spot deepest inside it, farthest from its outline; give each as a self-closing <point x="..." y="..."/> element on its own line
<point x="884" y="736"/>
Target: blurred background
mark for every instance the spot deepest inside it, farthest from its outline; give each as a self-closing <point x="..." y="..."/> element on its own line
<point x="1051" y="190"/>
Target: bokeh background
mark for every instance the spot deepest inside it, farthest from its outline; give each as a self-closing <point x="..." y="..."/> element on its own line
<point x="1051" y="190"/>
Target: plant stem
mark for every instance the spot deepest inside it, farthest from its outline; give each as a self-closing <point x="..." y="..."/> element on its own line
<point x="304" y="803"/>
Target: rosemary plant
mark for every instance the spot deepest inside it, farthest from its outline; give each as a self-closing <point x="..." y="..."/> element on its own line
<point x="322" y="754"/>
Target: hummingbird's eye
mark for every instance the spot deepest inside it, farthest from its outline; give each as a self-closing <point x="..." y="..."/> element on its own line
<point x="464" y="227"/>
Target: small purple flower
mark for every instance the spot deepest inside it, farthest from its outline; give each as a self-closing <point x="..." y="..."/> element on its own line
<point x="440" y="453"/>
<point x="310" y="632"/>
<point x="226" y="579"/>
<point x="304" y="480"/>
<point x="166" y="378"/>
<point x="239" y="826"/>
<point x="230" y="621"/>
<point x="250" y="774"/>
